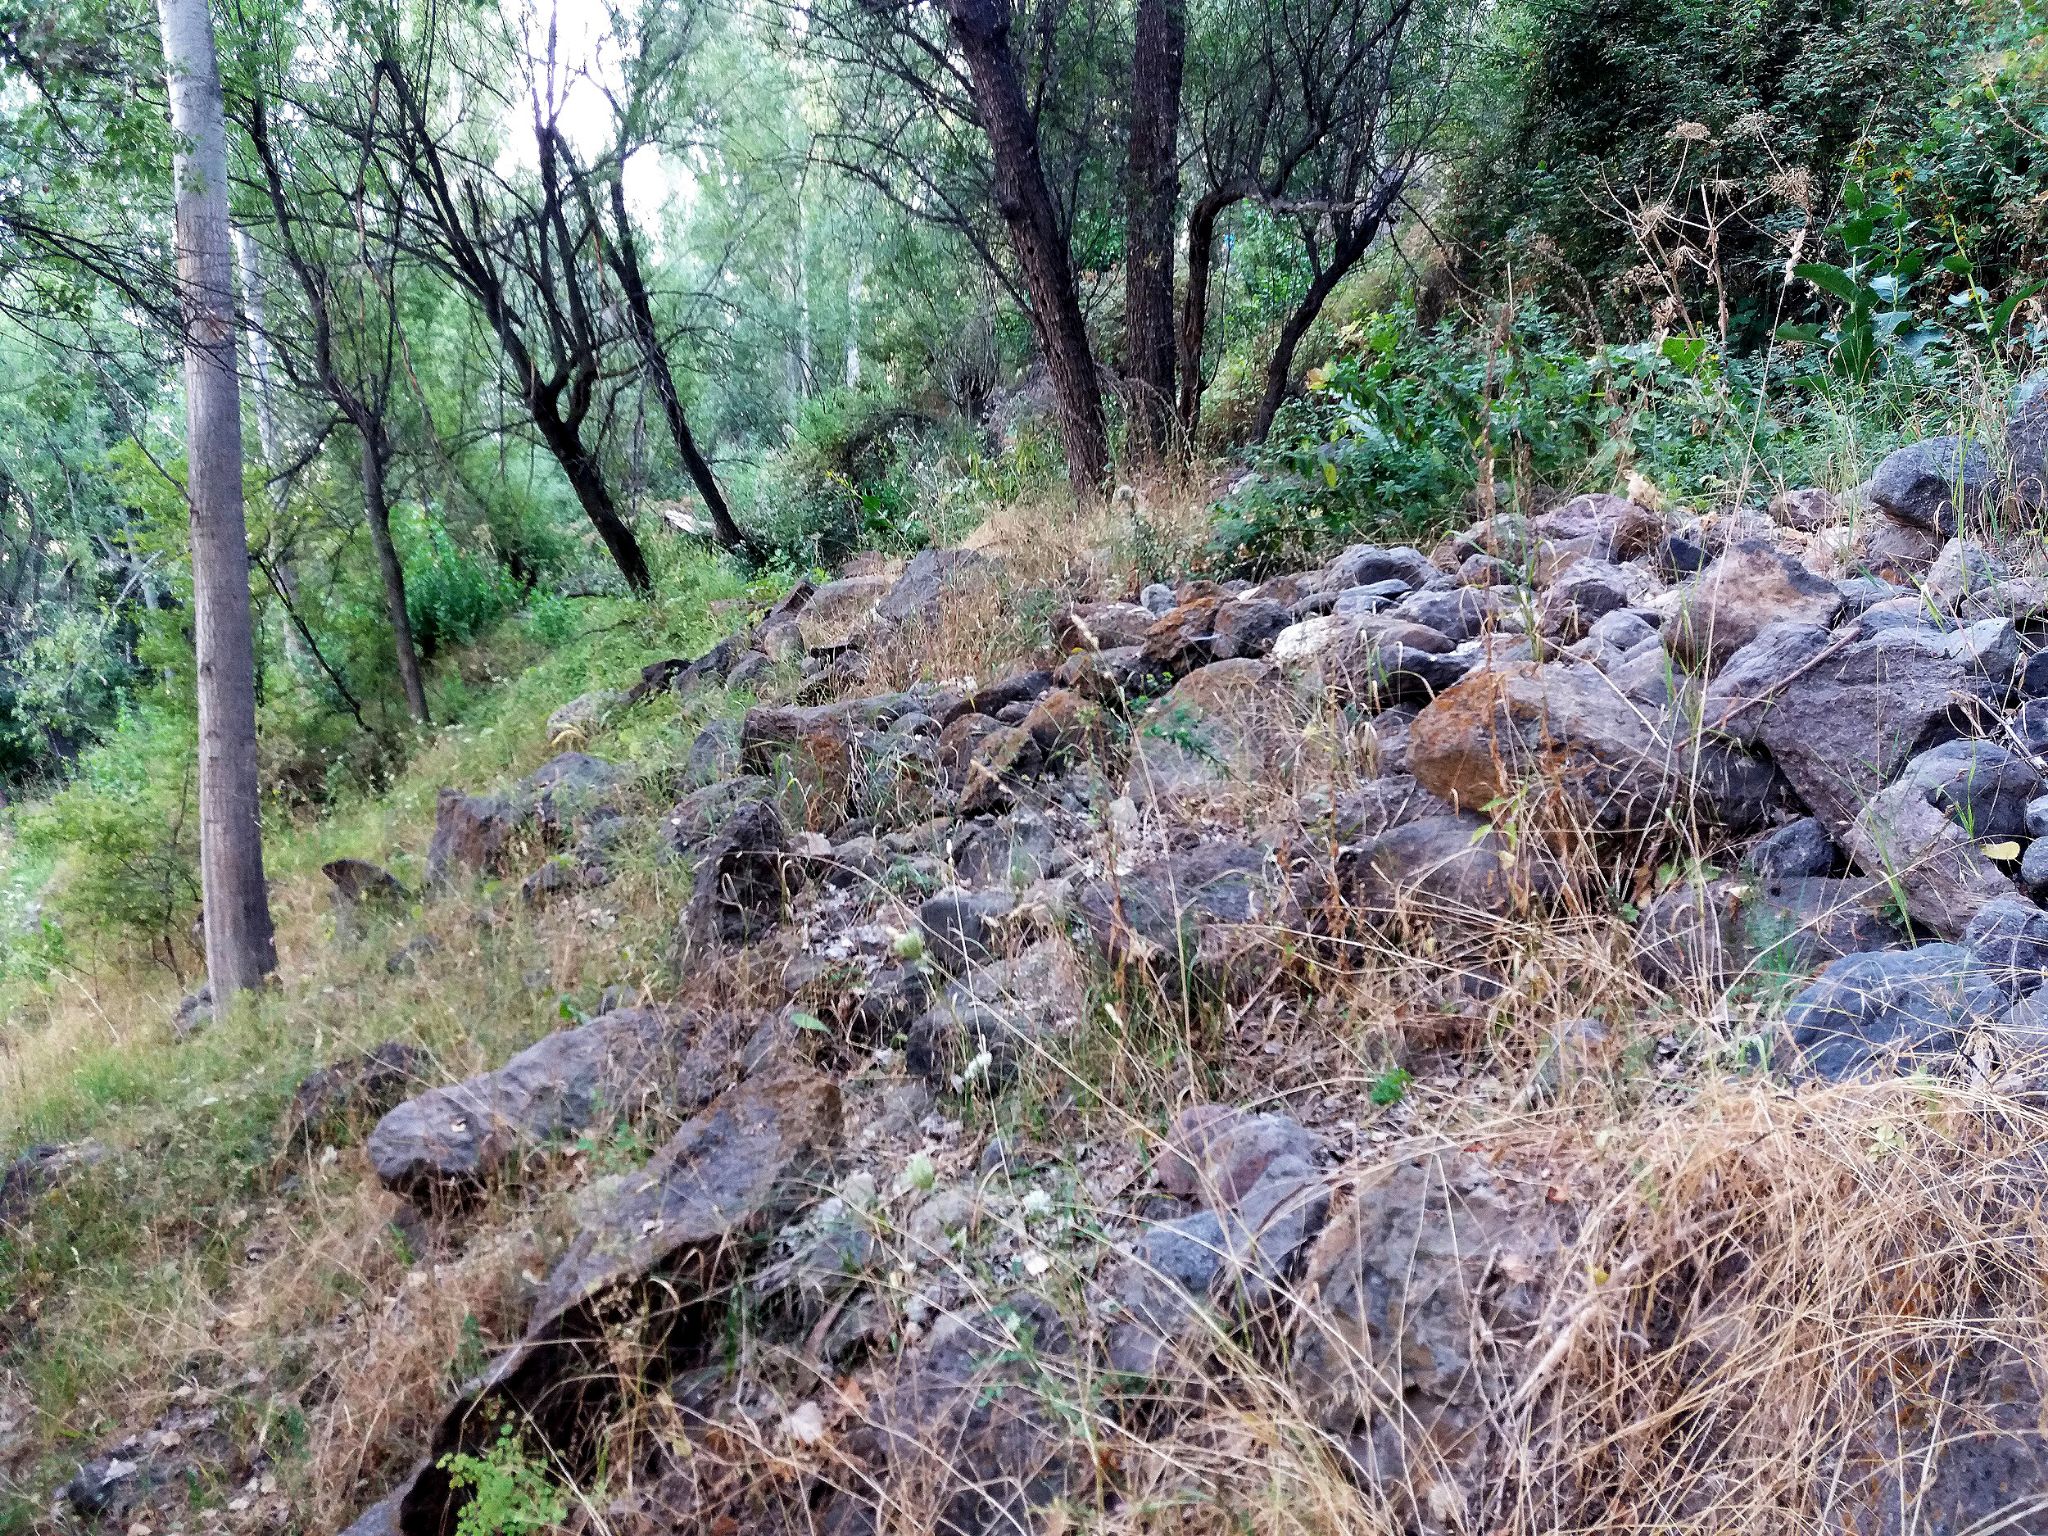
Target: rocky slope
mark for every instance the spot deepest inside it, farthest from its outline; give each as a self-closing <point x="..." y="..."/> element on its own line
<point x="1737" y="807"/>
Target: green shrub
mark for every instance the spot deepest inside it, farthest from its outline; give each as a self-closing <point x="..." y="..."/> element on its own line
<point x="453" y="594"/>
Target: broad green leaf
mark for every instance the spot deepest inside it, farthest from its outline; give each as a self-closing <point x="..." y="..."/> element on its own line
<point x="1830" y="279"/>
<point x="2001" y="317"/>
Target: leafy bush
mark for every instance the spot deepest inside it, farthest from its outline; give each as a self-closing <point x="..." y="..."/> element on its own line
<point x="453" y="594"/>
<point x="124" y="837"/>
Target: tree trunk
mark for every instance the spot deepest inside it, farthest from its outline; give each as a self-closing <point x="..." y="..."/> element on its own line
<point x="625" y="256"/>
<point x="241" y="949"/>
<point x="377" y="513"/>
<point x="1352" y="242"/>
<point x="981" y="28"/>
<point x="1151" y="191"/>
<point x="586" y="479"/>
<point x="1194" y="308"/>
<point x="266" y="417"/>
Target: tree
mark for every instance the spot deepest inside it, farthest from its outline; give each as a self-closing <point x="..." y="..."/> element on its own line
<point x="936" y="115"/>
<point x="524" y="251"/>
<point x="240" y="947"/>
<point x="353" y="373"/>
<point x="1151" y="198"/>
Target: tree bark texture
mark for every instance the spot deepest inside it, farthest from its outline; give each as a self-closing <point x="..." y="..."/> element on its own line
<point x="981" y="30"/>
<point x="377" y="513"/>
<point x="1151" y="191"/>
<point x="1194" y="308"/>
<point x="624" y="253"/>
<point x="241" y="948"/>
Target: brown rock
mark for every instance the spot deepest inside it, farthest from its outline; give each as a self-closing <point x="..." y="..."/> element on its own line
<point x="1736" y="598"/>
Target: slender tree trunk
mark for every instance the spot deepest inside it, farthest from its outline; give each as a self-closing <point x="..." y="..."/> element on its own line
<point x="625" y="257"/>
<point x="377" y="512"/>
<point x="981" y="28"/>
<point x="241" y="949"/>
<point x="586" y="479"/>
<point x="1352" y="243"/>
<point x="1194" y="308"/>
<point x="1151" y="191"/>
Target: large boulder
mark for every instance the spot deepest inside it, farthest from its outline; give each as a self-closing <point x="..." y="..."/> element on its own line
<point x="926" y="582"/>
<point x="1432" y="870"/>
<point x="655" y="1250"/>
<point x="1572" y="731"/>
<point x="1909" y="834"/>
<point x="1609" y="527"/>
<point x="473" y="835"/>
<point x="448" y="1141"/>
<point x="1182" y="914"/>
<point x="1741" y="594"/>
<point x="1935" y="484"/>
<point x="1841" y="727"/>
<point x="840" y="612"/>
<point x="1896" y="1010"/>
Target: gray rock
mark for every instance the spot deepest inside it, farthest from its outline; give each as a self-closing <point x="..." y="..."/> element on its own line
<point x="1862" y="592"/>
<point x="1742" y="694"/>
<point x="1797" y="849"/>
<point x="2034" y="869"/>
<point x="1962" y="569"/>
<point x="1898" y="1010"/>
<point x="655" y="1245"/>
<point x="699" y="817"/>
<point x="473" y="835"/>
<point x="1229" y="724"/>
<point x="1435" y="869"/>
<point x="1610" y="527"/>
<point x="1624" y="629"/>
<point x="1157" y="598"/>
<point x="1215" y="1153"/>
<point x="1181" y="915"/>
<point x="1355" y="603"/>
<point x="1460" y="613"/>
<point x="1008" y="852"/>
<point x="1843" y="728"/>
<point x="839" y="612"/>
<point x="744" y="883"/>
<point x="1928" y="484"/>
<point x="584" y="715"/>
<point x="962" y="928"/>
<point x="1363" y="564"/>
<point x="1379" y="805"/>
<point x="449" y="1140"/>
<point x="1585" y="593"/>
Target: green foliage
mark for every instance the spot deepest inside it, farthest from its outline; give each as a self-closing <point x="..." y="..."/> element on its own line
<point x="509" y="1492"/>
<point x="453" y="594"/>
<point x="124" y="837"/>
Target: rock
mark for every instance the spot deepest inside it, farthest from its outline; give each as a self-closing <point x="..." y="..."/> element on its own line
<point x="1431" y="1274"/>
<point x="809" y="750"/>
<point x="1806" y="510"/>
<point x="359" y="884"/>
<point x="962" y="928"/>
<point x="1101" y="627"/>
<point x="571" y="789"/>
<point x="2010" y="940"/>
<point x="1896" y="1010"/>
<point x="1067" y="727"/>
<point x="931" y="577"/>
<point x="1174" y="914"/>
<point x="1156" y="598"/>
<point x="754" y="672"/>
<point x="655" y="1246"/>
<point x="1431" y="871"/>
<point x="1615" y="529"/>
<point x="583" y="716"/>
<point x="1743" y="693"/>
<point x="473" y="835"/>
<point x="1893" y="550"/>
<point x="450" y="1140"/>
<point x="1020" y="687"/>
<point x="1572" y="1052"/>
<point x="1573" y="732"/>
<point x="1229" y="724"/>
<point x="1707" y="936"/>
<point x="744" y="883"/>
<point x="1000" y="1013"/>
<point x="354" y="1088"/>
<point x="1842" y="728"/>
<point x="840" y="612"/>
<point x="1934" y="484"/>
<point x="1355" y="603"/>
<point x="1215" y="1153"/>
<point x="1962" y="570"/>
<point x="1797" y="849"/>
<point x="1733" y="600"/>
